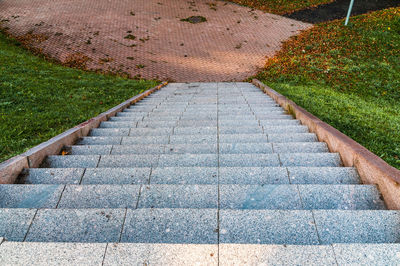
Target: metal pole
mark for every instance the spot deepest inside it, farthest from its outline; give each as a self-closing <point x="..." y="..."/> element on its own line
<point x="349" y="12"/>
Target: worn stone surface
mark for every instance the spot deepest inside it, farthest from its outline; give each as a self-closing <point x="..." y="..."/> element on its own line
<point x="345" y="197"/>
<point x="184" y="175"/>
<point x="362" y="226"/>
<point x="242" y="254"/>
<point x="253" y="175"/>
<point x="367" y="254"/>
<point x="195" y="226"/>
<point x="14" y="223"/>
<point x="323" y="175"/>
<point x="178" y="196"/>
<point x="259" y="197"/>
<point x="16" y="253"/>
<point x="30" y="196"/>
<point x="76" y="225"/>
<point x="78" y="161"/>
<point x="116" y="176"/>
<point x="53" y="175"/>
<point x="267" y="227"/>
<point x="161" y="254"/>
<point x="99" y="196"/>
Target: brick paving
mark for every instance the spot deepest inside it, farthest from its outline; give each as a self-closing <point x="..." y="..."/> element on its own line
<point x="148" y="38"/>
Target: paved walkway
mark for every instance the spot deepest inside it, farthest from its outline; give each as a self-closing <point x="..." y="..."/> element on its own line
<point x="148" y="38"/>
<point x="202" y="173"/>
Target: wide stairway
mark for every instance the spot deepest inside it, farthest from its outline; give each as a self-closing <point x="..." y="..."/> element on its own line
<point x="199" y="173"/>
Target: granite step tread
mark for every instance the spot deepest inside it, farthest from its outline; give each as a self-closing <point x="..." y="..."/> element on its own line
<point x="192" y="175"/>
<point x="285" y="197"/>
<point x="43" y="253"/>
<point x="179" y="145"/>
<point x="192" y="137"/>
<point x="198" y="226"/>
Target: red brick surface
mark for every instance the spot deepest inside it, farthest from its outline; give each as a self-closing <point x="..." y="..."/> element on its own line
<point x="230" y="46"/>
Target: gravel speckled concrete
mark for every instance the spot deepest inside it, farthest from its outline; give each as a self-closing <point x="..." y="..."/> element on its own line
<point x="267" y="227"/>
<point x="242" y="254"/>
<point x="89" y="149"/>
<point x="253" y="175"/>
<point x="130" y="161"/>
<point x="323" y="175"/>
<point x="367" y="254"/>
<point x="310" y="159"/>
<point x="178" y="196"/>
<point x="184" y="175"/>
<point x="240" y="148"/>
<point x="363" y="226"/>
<point x="195" y="226"/>
<point x="171" y="160"/>
<point x="346" y="197"/>
<point x="99" y="196"/>
<point x="100" y="141"/>
<point x="29" y="253"/>
<point x="116" y="176"/>
<point x="248" y="160"/>
<point x="259" y="197"/>
<point x="54" y="176"/>
<point x="75" y="225"/>
<point x="161" y="254"/>
<point x="30" y="196"/>
<point x="78" y="161"/>
<point x="14" y="223"/>
<point x="115" y="132"/>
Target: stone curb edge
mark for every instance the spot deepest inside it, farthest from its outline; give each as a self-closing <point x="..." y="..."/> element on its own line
<point x="10" y="169"/>
<point x="371" y="168"/>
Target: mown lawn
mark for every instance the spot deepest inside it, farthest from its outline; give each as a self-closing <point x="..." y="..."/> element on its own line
<point x="347" y="76"/>
<point x="39" y="99"/>
<point x="280" y="7"/>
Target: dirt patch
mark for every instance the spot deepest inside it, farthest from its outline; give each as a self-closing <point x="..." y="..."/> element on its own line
<point x="76" y="60"/>
<point x="194" y="19"/>
<point x="338" y="10"/>
<point x="31" y="38"/>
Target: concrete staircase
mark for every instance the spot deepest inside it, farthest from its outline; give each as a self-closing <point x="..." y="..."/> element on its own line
<point x="199" y="173"/>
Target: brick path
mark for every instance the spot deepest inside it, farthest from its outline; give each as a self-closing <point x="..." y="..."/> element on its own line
<point x="231" y="45"/>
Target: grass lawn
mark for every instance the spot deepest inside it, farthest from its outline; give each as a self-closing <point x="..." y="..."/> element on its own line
<point x="280" y="7"/>
<point x="347" y="76"/>
<point x="39" y="99"/>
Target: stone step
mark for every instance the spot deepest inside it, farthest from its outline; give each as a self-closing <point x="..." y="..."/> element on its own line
<point x="133" y="124"/>
<point x="199" y="160"/>
<point x="44" y="253"/>
<point x="192" y="137"/>
<point x="286" y="197"/>
<point x="192" y="175"/>
<point x="200" y="226"/>
<point x="202" y="148"/>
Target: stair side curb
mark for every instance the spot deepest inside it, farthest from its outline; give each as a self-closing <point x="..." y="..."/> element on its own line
<point x="10" y="169"/>
<point x="371" y="168"/>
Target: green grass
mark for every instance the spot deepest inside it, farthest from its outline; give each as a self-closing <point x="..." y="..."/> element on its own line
<point x="40" y="99"/>
<point x="347" y="76"/>
<point x="280" y="7"/>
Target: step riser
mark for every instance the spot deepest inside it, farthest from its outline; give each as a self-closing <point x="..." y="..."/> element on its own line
<point x="224" y="148"/>
<point x="273" y="197"/>
<point x="193" y="175"/>
<point x="196" y="160"/>
<point x="198" y="226"/>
